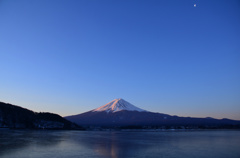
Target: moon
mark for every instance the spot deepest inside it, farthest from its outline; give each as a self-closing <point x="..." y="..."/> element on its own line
<point x="195" y="5"/>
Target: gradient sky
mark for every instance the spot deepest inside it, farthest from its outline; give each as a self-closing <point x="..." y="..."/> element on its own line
<point x="165" y="56"/>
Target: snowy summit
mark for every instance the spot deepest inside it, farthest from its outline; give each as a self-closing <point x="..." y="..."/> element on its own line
<point x="118" y="105"/>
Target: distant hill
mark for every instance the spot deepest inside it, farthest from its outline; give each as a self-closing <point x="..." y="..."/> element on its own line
<point x="12" y="116"/>
<point x="120" y="113"/>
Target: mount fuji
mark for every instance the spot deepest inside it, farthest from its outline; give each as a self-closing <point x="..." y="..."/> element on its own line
<point x="118" y="105"/>
<point x="122" y="113"/>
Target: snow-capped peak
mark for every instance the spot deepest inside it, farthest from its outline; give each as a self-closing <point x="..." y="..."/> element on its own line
<point x="118" y="105"/>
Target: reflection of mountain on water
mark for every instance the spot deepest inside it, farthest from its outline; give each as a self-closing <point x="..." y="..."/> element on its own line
<point x="122" y="144"/>
<point x="44" y="143"/>
<point x="108" y="149"/>
<point x="85" y="144"/>
<point x="107" y="145"/>
<point x="117" y="144"/>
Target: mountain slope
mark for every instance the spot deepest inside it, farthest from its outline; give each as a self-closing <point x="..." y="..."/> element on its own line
<point x="118" y="105"/>
<point x="120" y="113"/>
<point x="12" y="116"/>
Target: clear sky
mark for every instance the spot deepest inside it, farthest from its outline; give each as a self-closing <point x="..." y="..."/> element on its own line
<point x="167" y="56"/>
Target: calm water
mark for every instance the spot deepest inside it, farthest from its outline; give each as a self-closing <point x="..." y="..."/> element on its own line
<point x="92" y="144"/>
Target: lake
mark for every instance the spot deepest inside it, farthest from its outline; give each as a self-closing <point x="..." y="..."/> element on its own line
<point x="119" y="144"/>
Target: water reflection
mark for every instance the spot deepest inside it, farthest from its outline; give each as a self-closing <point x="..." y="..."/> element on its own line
<point x="16" y="141"/>
<point x="73" y="144"/>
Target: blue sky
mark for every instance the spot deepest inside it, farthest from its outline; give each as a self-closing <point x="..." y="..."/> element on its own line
<point x="166" y="56"/>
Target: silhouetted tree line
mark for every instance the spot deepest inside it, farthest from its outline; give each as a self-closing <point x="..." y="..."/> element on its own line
<point x="12" y="116"/>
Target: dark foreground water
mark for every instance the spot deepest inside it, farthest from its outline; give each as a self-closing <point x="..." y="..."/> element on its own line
<point x="92" y="144"/>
